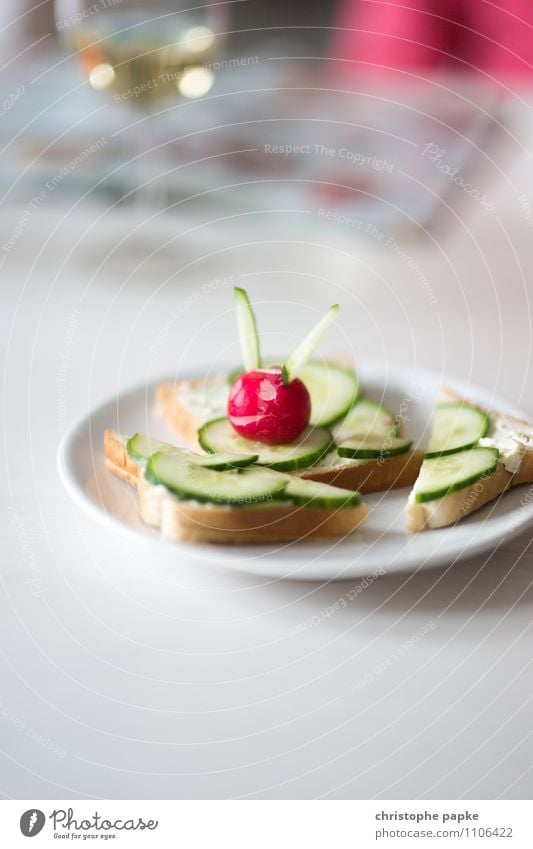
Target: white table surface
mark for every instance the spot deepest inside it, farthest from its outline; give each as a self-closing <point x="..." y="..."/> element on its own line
<point x="131" y="673"/>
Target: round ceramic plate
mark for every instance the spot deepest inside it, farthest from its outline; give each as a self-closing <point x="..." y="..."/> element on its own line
<point x="381" y="543"/>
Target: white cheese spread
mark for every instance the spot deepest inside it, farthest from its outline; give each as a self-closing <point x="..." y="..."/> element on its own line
<point x="204" y="402"/>
<point x="511" y="444"/>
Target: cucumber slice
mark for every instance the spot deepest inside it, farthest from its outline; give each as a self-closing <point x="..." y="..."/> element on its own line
<point x="305" y="350"/>
<point x="222" y="462"/>
<point x="316" y="494"/>
<point x="219" y="436"/>
<point x="248" y="335"/>
<point x="140" y="448"/>
<point x="456" y="427"/>
<point x="440" y="476"/>
<point x="368" y="419"/>
<point x="189" y="481"/>
<point x="333" y="390"/>
<point x="373" y="447"/>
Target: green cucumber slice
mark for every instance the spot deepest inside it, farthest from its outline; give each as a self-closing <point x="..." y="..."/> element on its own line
<point x="373" y="447"/>
<point x="190" y="481"/>
<point x="316" y="494"/>
<point x="223" y="462"/>
<point x="368" y="419"/>
<point x="248" y="335"/>
<point x="440" y="476"/>
<point x="140" y="448"/>
<point x="456" y="427"/>
<point x="305" y="350"/>
<point x="333" y="390"/>
<point x="218" y="436"/>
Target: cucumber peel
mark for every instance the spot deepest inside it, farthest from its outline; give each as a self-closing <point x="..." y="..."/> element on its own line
<point x="370" y="447"/>
<point x="248" y="335"/>
<point x="140" y="448"/>
<point x="307" y="493"/>
<point x="305" y="350"/>
<point x="223" y="462"/>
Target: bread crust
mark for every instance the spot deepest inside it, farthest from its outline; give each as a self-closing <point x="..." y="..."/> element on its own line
<point x="117" y="458"/>
<point x="179" y="417"/>
<point x="373" y="476"/>
<point x="276" y="523"/>
<point x="182" y="520"/>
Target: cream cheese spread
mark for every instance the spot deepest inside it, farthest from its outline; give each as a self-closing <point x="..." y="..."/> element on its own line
<point x="204" y="402"/>
<point x="511" y="443"/>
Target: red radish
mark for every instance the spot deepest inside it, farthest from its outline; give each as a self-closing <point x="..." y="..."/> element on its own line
<point x="262" y="407"/>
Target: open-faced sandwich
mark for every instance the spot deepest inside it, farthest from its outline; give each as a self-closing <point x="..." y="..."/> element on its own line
<point x="473" y="457"/>
<point x="279" y="452"/>
<point x="308" y="417"/>
<point x="226" y="498"/>
<point x="244" y="488"/>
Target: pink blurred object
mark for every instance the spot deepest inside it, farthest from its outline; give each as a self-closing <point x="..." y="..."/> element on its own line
<point x="491" y="38"/>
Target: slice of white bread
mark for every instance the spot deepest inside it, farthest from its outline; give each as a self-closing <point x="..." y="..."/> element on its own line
<point x="188" y="404"/>
<point x="370" y="475"/>
<point x="458" y="505"/>
<point x="190" y="521"/>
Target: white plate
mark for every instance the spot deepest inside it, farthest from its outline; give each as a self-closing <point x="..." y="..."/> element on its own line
<point x="380" y="544"/>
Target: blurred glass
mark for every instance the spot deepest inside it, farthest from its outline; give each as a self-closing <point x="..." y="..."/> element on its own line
<point x="144" y="52"/>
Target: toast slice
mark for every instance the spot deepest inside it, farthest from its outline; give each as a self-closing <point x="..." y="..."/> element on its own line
<point x="191" y="521"/>
<point x="514" y="439"/>
<point x="188" y="404"/>
<point x="368" y="475"/>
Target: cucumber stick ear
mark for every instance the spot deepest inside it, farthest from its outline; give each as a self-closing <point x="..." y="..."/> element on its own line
<point x="248" y="335"/>
<point x="308" y="346"/>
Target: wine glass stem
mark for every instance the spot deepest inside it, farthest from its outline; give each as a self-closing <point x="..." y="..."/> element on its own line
<point x="142" y="171"/>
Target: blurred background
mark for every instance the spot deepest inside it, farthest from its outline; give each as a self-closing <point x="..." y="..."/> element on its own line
<point x="311" y="145"/>
<point x="358" y="111"/>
